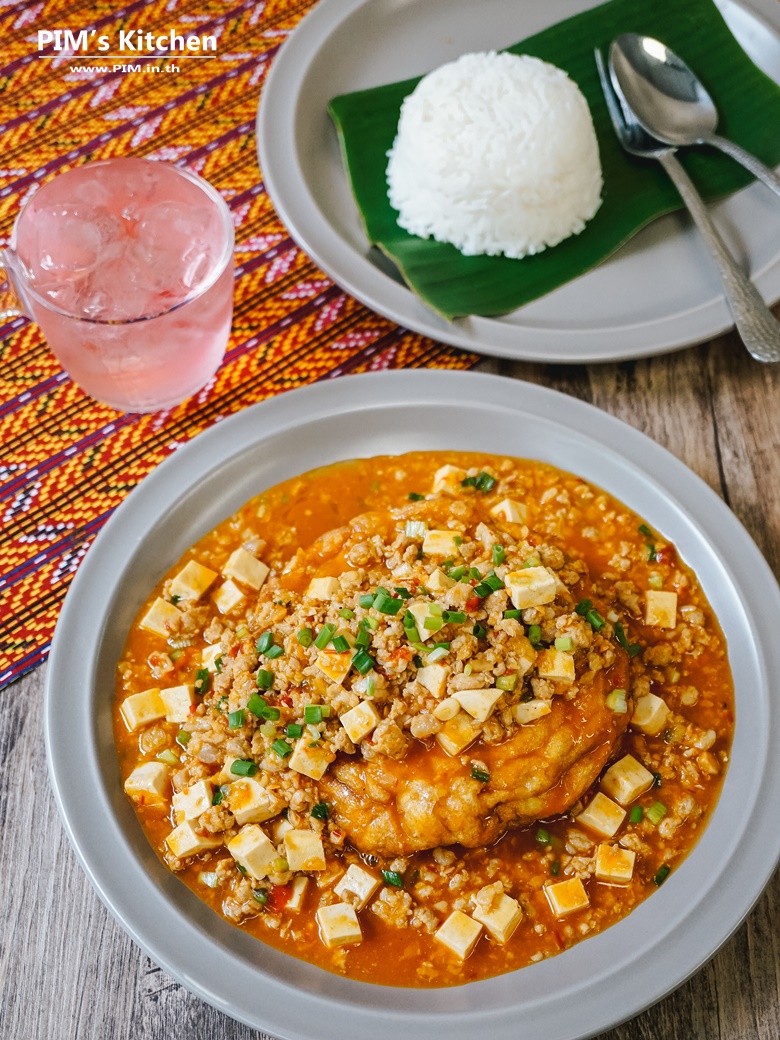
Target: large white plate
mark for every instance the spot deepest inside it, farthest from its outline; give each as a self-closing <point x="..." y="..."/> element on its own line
<point x="582" y="991"/>
<point x="658" y="293"/>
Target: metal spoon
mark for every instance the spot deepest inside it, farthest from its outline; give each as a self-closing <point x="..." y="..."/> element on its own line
<point x="758" y="328"/>
<point x="671" y="103"/>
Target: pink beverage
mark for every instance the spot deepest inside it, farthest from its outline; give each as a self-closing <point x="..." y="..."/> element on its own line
<point x="127" y="266"/>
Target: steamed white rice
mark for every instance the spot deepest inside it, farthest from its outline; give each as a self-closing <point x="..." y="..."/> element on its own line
<point x="495" y="153"/>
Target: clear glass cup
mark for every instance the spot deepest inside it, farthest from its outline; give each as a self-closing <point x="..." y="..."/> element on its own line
<point x="127" y="267"/>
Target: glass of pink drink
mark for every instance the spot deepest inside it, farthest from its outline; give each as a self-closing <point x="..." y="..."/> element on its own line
<point x="127" y="267"/>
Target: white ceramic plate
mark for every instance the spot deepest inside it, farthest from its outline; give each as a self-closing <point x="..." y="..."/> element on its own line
<point x="587" y="989"/>
<point x="660" y="292"/>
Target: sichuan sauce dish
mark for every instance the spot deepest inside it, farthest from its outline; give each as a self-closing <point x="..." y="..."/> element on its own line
<point x="425" y="719"/>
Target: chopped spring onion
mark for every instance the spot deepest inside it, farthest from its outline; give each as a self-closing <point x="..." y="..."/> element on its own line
<point x="616" y="701"/>
<point x="543" y="837"/>
<point x="595" y="620"/>
<point x="632" y="649"/>
<point x="281" y="747"/>
<point x="340" y="644"/>
<point x="370" y="686"/>
<point x="280" y="864"/>
<point x="363" y="638"/>
<point x="175" y="599"/>
<point x="478" y="773"/>
<point x="242" y="631"/>
<point x="513" y="615"/>
<point x="219" y="794"/>
<point x="475" y="573"/>
<point x="402" y="592"/>
<point x="218" y="663"/>
<point x="456" y="573"/>
<point x="555" y="867"/>
<point x="176" y="654"/>
<point x="483" y="482"/>
<point x="209" y="878"/>
<point x="313" y="713"/>
<point x="324" y="636"/>
<point x="565" y="643"/>
<point x="651" y="554"/>
<point x="236" y="719"/>
<point x="346" y="613"/>
<point x="436" y="609"/>
<point x="662" y="874"/>
<point x="305" y="637"/>
<point x="433" y="624"/>
<point x="264" y="679"/>
<point x="657" y="780"/>
<point x="535" y="635"/>
<point x="636" y="815"/>
<point x="437" y="654"/>
<point x="387" y="604"/>
<point x="321" y="811"/>
<point x="656" y="813"/>
<point x="371" y="622"/>
<point x="366" y="600"/>
<point x="506" y="682"/>
<point x="482" y="590"/>
<point x="260" y="895"/>
<point x="257" y="704"/>
<point x="499" y="554"/>
<point x="417" y="660"/>
<point x="655" y="581"/>
<point x="183" y="737"/>
<point x="392" y="877"/>
<point x="202" y="680"/>
<point x="294" y="730"/>
<point x="645" y="530"/>
<point x="168" y="756"/>
<point x="583" y="607"/>
<point x="532" y="561"/>
<point x="454" y="617"/>
<point x="493" y="580"/>
<point x="274" y="652"/>
<point x="415" y="528"/>
<point x="363" y="662"/>
<point x="268" y="730"/>
<point x="414" y="496"/>
<point x="479" y="631"/>
<point x="243" y="767"/>
<point x="265" y="642"/>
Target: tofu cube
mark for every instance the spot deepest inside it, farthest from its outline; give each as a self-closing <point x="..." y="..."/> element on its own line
<point x="185" y="841"/>
<point x="228" y="597"/>
<point x="566" y="897"/>
<point x="246" y="568"/>
<point x="250" y="802"/>
<point x="360" y="721"/>
<point x="360" y="885"/>
<point x="434" y="678"/>
<point x="459" y="933"/>
<point x="626" y="780"/>
<point x="531" y="587"/>
<point x="338" y="925"/>
<point x="192" y="581"/>
<point x="162" y="618"/>
<point x="660" y="608"/>
<point x="556" y="664"/>
<point x="148" y="783"/>
<point x="457" y="733"/>
<point x="650" y="714"/>
<point x="602" y="816"/>
<point x="508" y="509"/>
<point x="438" y="581"/>
<point x="311" y="761"/>
<point x="303" y="849"/>
<point x="178" y="700"/>
<point x="323" y="588"/>
<point x="442" y="543"/>
<point x="478" y="703"/>
<point x="527" y="711"/>
<point x="421" y="611"/>
<point x="335" y="664"/>
<point x="253" y="850"/>
<point x="448" y="479"/>
<point x="500" y="914"/>
<point x="209" y="656"/>
<point x="139" y="709"/>
<point x="190" y="802"/>
<point x="614" y="866"/>
<point x="299" y="885"/>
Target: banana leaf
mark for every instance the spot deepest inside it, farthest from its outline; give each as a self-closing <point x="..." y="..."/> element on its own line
<point x="635" y="191"/>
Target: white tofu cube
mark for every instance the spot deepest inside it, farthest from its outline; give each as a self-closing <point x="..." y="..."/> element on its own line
<point x="246" y="568"/>
<point x="531" y="587"/>
<point x="339" y="925"/>
<point x="192" y="581"/>
<point x="508" y="509"/>
<point x="567" y="897"/>
<point x="311" y="761"/>
<point x="434" y="678"/>
<point x="253" y="850"/>
<point x="299" y="885"/>
<point x="228" y="597"/>
<point x="602" y="816"/>
<point x="178" y="701"/>
<point x="500" y="914"/>
<point x="139" y="709"/>
<point x="190" y="802"/>
<point x="162" y="618"/>
<point x="148" y="783"/>
<point x="442" y="543"/>
<point x="360" y="721"/>
<point x="478" y="703"/>
<point x="457" y="733"/>
<point x="210" y="655"/>
<point x="447" y="479"/>
<point x="360" y="885"/>
<point x="556" y="664"/>
<point x="303" y="849"/>
<point x="527" y="711"/>
<point x="626" y="780"/>
<point x="250" y="802"/>
<point x="420" y="611"/>
<point x="185" y="841"/>
<point x="660" y="608"/>
<point x="614" y="865"/>
<point x="438" y="581"/>
<point x="335" y="664"/>
<point x="650" y="714"/>
<point x="459" y="933"/>
<point x="323" y="588"/>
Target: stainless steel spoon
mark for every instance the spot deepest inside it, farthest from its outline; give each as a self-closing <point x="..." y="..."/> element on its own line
<point x="758" y="328"/>
<point x="671" y="103"/>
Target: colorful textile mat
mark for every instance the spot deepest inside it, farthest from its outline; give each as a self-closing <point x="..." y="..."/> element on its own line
<point x="67" y="462"/>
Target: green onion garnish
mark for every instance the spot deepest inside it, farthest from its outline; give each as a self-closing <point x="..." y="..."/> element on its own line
<point x="513" y="615"/>
<point x="535" y="635"/>
<point x="236" y="719"/>
<point x="281" y="747"/>
<point x="294" y="730"/>
<point x="565" y="643"/>
<point x="636" y="814"/>
<point x="433" y="624"/>
<point x="555" y="867"/>
<point x="662" y="874"/>
<point x="455" y="617"/>
<point x="651" y="554"/>
<point x="183" y="737"/>
<point x="265" y="642"/>
<point x="415" y="497"/>
<point x="456" y="573"/>
<point x="506" y="682"/>
<point x="616" y="701"/>
<point x="436" y="609"/>
<point x="273" y="652"/>
<point x="260" y="895"/>
<point x="243" y="767"/>
<point x="363" y="662"/>
<point x="595" y="620"/>
<point x="324" y="636"/>
<point x="168" y="756"/>
<point x="392" y="877"/>
<point x="415" y="528"/>
<point x="366" y="600"/>
<point x="340" y="644"/>
<point x="657" y="780"/>
<point x="583" y="607"/>
<point x="175" y="599"/>
<point x="320" y="811"/>
<point x="499" y="554"/>
<point x="482" y="589"/>
<point x="219" y="794"/>
<point x="645" y="530"/>
<point x="202" y="680"/>
<point x="632" y="649"/>
<point x="305" y="637"/>
<point x="656" y="813"/>
<point x="363" y="638"/>
<point x="403" y="593"/>
<point x="264" y="679"/>
<point x="493" y="580"/>
<point x="218" y="663"/>
<point x="437" y="654"/>
<point x="478" y="773"/>
<point x="479" y="631"/>
<point x="543" y="837"/>
<point x="387" y="604"/>
<point x="371" y="622"/>
<point x="346" y="613"/>
<point x="475" y="573"/>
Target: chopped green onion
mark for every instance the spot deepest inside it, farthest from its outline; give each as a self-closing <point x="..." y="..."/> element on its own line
<point x="274" y="652"/>
<point x="321" y="811"/>
<point x="371" y="622"/>
<point x="595" y="620"/>
<point x="218" y="663"/>
<point x="433" y="624"/>
<point x="402" y="592"/>
<point x="346" y="613"/>
<point x="370" y="686"/>
<point x="415" y="497"/>
<point x="656" y="813"/>
<point x="268" y="730"/>
<point x="483" y="482"/>
<point x="535" y="635"/>
<point x="312" y="714"/>
<point x="662" y="874"/>
<point x="499" y="554"/>
<point x="219" y="794"/>
<point x="176" y="654"/>
<point x="175" y="599"/>
<point x="583" y="607"/>
<point x="479" y="631"/>
<point x="324" y="636"/>
<point x="221" y="704"/>
<point x="417" y="660"/>
<point x="513" y="615"/>
<point x="209" y="877"/>
<point x="655" y="581"/>
<point x="260" y="895"/>
<point x="632" y="649"/>
<point x="183" y="737"/>
<point x="281" y="747"/>
<point x="475" y="573"/>
<point x="478" y="773"/>
<point x="366" y="600"/>
<point x="482" y="590"/>
<point x="340" y="644"/>
<point x="415" y="528"/>
<point x="455" y="617"/>
<point x="493" y="580"/>
<point x="243" y="767"/>
<point x="436" y="609"/>
<point x="280" y="865"/>
<point x="264" y="679"/>
<point x="657" y="780"/>
<point x="305" y="637"/>
<point x="437" y="654"/>
<point x="456" y="573"/>
<point x="543" y="837"/>
<point x="506" y="682"/>
<point x="202" y="680"/>
<point x="645" y="530"/>
<point x="363" y="662"/>
<point x="294" y="730"/>
<point x="240" y="867"/>
<point x="651" y="554"/>
<point x="236" y="719"/>
<point x="616" y="701"/>
<point x="168" y="756"/>
<point x="265" y="642"/>
<point x="242" y="631"/>
<point x="565" y="643"/>
<point x="555" y="867"/>
<point x="636" y="814"/>
<point x="386" y="604"/>
<point x="532" y="561"/>
<point x="363" y="638"/>
<point x="392" y="877"/>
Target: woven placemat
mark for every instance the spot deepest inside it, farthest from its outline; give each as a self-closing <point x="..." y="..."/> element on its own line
<point x="67" y="462"/>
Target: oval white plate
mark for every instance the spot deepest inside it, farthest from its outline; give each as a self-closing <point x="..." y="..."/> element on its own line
<point x="586" y="989"/>
<point x="660" y="292"/>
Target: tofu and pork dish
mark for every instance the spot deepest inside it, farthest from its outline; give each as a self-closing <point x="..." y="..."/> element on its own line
<point x="425" y="719"/>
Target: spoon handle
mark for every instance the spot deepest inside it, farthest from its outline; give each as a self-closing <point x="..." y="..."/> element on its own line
<point x="750" y="162"/>
<point x="759" y="329"/>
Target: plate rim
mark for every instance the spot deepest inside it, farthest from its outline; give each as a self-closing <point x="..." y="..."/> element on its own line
<point x="311" y="231"/>
<point x="227" y="442"/>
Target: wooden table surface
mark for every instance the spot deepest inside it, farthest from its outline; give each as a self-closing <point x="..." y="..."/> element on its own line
<point x="68" y="971"/>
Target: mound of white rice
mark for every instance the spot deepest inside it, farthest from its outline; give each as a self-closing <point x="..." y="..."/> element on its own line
<point x="495" y="153"/>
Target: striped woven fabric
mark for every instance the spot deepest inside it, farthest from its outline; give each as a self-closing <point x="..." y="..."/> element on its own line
<point x="66" y="461"/>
